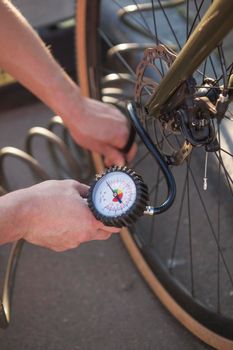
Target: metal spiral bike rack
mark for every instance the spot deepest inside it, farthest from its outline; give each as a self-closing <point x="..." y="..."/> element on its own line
<point x="74" y="156"/>
<point x="75" y="165"/>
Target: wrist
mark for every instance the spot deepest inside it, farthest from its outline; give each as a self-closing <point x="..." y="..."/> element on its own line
<point x="14" y="216"/>
<point x="66" y="99"/>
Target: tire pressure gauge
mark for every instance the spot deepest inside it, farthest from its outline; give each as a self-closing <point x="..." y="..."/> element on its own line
<point x="118" y="197"/>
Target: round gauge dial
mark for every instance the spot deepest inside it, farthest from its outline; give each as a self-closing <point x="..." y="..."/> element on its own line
<point x="114" y="194"/>
<point x="118" y="197"/>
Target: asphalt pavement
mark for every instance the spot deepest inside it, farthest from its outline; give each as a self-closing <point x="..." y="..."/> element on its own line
<point x="87" y="298"/>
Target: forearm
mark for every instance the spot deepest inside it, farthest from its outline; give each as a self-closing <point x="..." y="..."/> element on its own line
<point x="96" y="126"/>
<point x="25" y="56"/>
<point x="14" y="212"/>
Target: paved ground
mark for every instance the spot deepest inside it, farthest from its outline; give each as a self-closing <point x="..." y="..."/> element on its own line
<point x="89" y="298"/>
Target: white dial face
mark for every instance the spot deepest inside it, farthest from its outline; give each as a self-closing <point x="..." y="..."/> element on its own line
<point x="114" y="194"/>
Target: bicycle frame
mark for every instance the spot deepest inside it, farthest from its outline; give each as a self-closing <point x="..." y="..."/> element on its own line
<point x="214" y="26"/>
<point x="203" y="40"/>
<point x="141" y="246"/>
<point x="216" y="23"/>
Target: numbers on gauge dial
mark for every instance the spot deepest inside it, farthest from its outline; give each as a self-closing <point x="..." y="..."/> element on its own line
<point x="114" y="194"/>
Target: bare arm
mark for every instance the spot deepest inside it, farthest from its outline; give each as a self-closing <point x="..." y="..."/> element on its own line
<point x="52" y="214"/>
<point x="95" y="126"/>
<point x="25" y="56"/>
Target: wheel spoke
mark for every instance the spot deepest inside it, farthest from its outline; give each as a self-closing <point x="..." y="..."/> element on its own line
<point x="223" y="66"/>
<point x="120" y="57"/>
<point x="211" y="227"/>
<point x="145" y="27"/>
<point x="178" y="238"/>
<point x="156" y="32"/>
<point x="169" y="24"/>
<point x="142" y="17"/>
<point x="196" y="17"/>
<point x="139" y="161"/>
<point x="190" y="228"/>
<point x="155" y="201"/>
<point x="227" y="175"/>
<point x="180" y="210"/>
<point x="225" y="151"/>
<point x="218" y="226"/>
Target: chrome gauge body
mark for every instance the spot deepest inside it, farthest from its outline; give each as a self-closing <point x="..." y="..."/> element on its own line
<point x="118" y="196"/>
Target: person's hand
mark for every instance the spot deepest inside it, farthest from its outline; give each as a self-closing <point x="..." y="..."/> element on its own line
<point x="96" y="126"/>
<point x="58" y="216"/>
<point x="103" y="129"/>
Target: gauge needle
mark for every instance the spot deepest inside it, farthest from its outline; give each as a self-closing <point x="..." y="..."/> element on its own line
<point x="114" y="193"/>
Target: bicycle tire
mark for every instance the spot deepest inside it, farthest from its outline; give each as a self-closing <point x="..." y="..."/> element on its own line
<point x="210" y="327"/>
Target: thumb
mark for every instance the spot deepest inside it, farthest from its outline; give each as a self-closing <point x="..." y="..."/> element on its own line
<point x="82" y="189"/>
<point x="132" y="153"/>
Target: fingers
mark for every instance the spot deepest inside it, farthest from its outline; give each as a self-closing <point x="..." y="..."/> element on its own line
<point x="60" y="248"/>
<point x="82" y="189"/>
<point x="132" y="153"/>
<point x="104" y="232"/>
<point x="113" y="156"/>
<point x="102" y="235"/>
<point x="111" y="229"/>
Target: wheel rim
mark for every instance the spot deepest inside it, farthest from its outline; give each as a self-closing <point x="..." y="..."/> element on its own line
<point x="190" y="225"/>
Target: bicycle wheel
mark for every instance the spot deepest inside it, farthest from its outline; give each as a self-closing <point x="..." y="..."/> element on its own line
<point x="185" y="254"/>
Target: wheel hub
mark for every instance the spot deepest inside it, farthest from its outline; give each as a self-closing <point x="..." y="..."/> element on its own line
<point x="189" y="116"/>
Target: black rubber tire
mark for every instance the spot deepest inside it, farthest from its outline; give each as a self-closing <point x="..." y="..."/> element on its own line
<point x="215" y="330"/>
